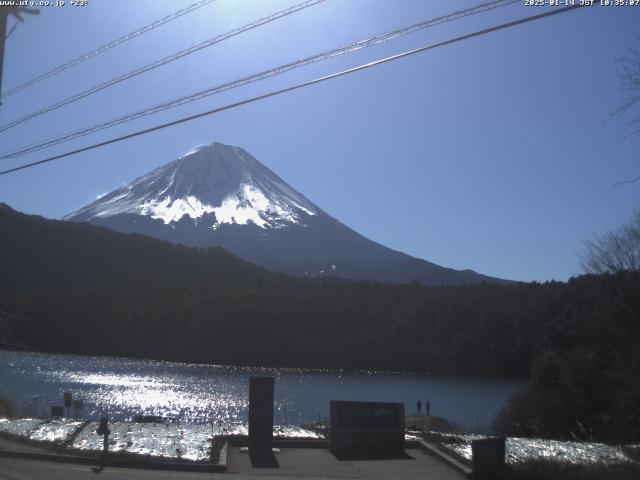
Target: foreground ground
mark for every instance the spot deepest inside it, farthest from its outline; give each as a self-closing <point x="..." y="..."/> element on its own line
<point x="295" y="463"/>
<point x="312" y="463"/>
<point x="319" y="463"/>
<point x="21" y="469"/>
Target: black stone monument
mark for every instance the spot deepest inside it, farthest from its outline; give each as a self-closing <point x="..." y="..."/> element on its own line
<point x="260" y="414"/>
<point x="366" y="429"/>
<point x="488" y="458"/>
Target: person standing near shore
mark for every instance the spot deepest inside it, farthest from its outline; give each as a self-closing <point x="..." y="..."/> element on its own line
<point x="428" y="407"/>
<point x="419" y="405"/>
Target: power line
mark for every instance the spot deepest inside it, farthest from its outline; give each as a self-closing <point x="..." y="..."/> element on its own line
<point x="104" y="48"/>
<point x="398" y="56"/>
<point x="17" y="22"/>
<point x="351" y="47"/>
<point x="162" y="61"/>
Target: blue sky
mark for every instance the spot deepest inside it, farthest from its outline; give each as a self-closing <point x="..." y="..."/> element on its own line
<point x="496" y="154"/>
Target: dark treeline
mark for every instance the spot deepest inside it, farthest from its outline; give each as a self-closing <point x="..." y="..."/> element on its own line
<point x="487" y="329"/>
<point x="581" y="338"/>
<point x="585" y="379"/>
<point x="578" y="342"/>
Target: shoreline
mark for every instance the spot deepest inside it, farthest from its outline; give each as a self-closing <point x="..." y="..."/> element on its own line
<point x="142" y="438"/>
<point x="274" y="369"/>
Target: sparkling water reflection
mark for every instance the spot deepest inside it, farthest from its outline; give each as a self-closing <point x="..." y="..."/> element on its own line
<point x="123" y="388"/>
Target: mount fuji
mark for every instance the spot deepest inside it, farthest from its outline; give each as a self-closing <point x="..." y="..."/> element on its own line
<point x="219" y="195"/>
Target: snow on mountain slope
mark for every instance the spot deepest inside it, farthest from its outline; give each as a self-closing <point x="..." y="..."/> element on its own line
<point x="219" y="179"/>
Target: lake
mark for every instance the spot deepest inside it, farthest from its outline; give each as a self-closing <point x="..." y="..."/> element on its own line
<point x="123" y="387"/>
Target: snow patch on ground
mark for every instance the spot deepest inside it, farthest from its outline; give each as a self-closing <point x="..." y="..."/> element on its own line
<point x="525" y="449"/>
<point x="20" y="427"/>
<point x="55" y="430"/>
<point x="279" y="431"/>
<point x="187" y="441"/>
<point x="190" y="441"/>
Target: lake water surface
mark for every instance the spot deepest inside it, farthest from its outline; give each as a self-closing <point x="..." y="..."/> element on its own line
<point x="122" y="388"/>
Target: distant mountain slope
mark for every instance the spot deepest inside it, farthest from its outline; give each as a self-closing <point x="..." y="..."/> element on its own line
<point x="219" y="195"/>
<point x="13" y="331"/>
<point x="39" y="253"/>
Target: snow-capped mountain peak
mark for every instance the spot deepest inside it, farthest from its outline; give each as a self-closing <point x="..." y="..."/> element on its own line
<point x="220" y="196"/>
<point x="215" y="179"/>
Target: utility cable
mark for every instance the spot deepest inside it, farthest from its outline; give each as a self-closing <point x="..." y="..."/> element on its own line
<point x="555" y="11"/>
<point x="163" y="61"/>
<point x="107" y="46"/>
<point x="352" y="47"/>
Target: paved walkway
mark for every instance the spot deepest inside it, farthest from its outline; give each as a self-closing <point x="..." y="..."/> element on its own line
<point x="21" y="469"/>
<point x="24" y="447"/>
<point x="319" y="463"/>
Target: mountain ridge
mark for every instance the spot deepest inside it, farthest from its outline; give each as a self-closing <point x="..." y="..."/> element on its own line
<point x="220" y="195"/>
<point x="40" y="253"/>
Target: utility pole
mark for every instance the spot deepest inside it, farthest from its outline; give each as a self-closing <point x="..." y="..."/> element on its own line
<point x="4" y="15"/>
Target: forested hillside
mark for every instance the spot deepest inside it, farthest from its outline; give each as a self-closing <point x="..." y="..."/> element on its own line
<point x="37" y="253"/>
<point x="131" y="296"/>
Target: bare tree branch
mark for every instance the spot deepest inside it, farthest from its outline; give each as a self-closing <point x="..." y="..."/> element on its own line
<point x="614" y="251"/>
<point x="628" y="71"/>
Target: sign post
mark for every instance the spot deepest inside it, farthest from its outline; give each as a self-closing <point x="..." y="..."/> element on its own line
<point x="67" y="401"/>
<point x="260" y="414"/>
<point x="103" y="429"/>
<point x="77" y="407"/>
<point x="488" y="458"/>
<point x="57" y="412"/>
